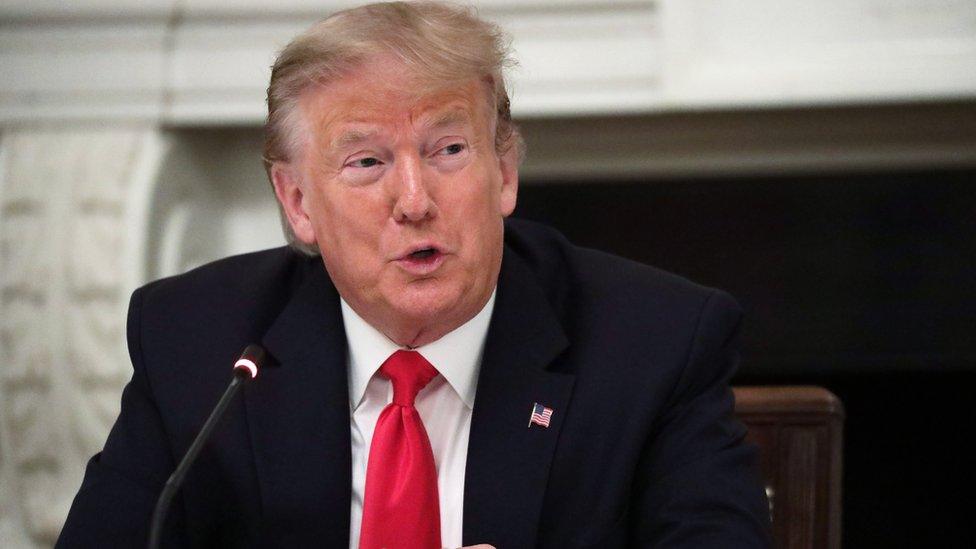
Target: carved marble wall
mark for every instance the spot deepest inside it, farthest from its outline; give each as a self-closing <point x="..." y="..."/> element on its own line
<point x="70" y="201"/>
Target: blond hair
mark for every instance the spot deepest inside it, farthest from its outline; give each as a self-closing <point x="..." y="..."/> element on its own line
<point x="442" y="43"/>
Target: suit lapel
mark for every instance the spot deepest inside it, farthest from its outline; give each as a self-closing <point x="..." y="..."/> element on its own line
<point x="298" y="414"/>
<point x="508" y="461"/>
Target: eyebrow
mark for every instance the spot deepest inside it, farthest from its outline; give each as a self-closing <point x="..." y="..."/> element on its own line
<point x="448" y="118"/>
<point x="352" y="137"/>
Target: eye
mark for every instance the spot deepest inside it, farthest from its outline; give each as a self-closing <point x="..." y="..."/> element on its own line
<point x="452" y="149"/>
<point x="367" y="162"/>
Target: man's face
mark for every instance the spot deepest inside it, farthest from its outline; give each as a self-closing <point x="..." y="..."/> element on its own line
<point x="404" y="194"/>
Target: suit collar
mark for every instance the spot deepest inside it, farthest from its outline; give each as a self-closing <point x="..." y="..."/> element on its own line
<point x="456" y="356"/>
<point x="508" y="461"/>
<point x="298" y="414"/>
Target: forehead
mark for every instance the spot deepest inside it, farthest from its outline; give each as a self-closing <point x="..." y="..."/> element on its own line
<point x="381" y="96"/>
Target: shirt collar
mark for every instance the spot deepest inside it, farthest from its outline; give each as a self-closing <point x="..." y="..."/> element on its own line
<point x="456" y="355"/>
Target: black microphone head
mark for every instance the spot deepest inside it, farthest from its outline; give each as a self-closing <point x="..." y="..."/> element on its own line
<point x="251" y="360"/>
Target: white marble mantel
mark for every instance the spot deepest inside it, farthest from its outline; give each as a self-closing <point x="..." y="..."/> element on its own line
<point x="128" y="129"/>
<point x="207" y="61"/>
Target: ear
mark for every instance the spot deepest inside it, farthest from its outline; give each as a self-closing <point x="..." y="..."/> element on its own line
<point x="288" y="189"/>
<point x="508" y="163"/>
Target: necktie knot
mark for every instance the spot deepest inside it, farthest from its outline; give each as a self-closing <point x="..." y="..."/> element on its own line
<point x="409" y="372"/>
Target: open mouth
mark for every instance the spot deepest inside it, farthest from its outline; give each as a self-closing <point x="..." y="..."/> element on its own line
<point x="423" y="261"/>
<point x="423" y="254"/>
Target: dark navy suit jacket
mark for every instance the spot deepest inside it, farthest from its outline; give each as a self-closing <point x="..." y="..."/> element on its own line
<point x="642" y="449"/>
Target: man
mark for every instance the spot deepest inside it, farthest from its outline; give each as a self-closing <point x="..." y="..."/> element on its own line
<point x="447" y="378"/>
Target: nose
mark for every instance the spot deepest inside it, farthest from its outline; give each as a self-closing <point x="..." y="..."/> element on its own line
<point x="413" y="201"/>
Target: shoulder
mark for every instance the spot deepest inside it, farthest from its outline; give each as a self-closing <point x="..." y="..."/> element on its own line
<point x="589" y="282"/>
<point x="232" y="299"/>
<point x="630" y="326"/>
<point x="240" y="274"/>
<point x="184" y="331"/>
<point x="228" y="285"/>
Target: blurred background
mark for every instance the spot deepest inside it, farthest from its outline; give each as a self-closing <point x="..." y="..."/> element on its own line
<point x="815" y="159"/>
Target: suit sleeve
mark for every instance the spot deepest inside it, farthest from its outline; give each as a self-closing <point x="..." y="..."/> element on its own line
<point x="698" y="484"/>
<point x="122" y="482"/>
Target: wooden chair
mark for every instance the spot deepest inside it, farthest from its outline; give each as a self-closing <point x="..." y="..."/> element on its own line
<point x="799" y="434"/>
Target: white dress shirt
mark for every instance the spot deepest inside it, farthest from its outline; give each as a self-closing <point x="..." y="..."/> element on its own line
<point x="444" y="406"/>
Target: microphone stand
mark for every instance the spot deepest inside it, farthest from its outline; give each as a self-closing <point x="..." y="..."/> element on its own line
<point x="244" y="370"/>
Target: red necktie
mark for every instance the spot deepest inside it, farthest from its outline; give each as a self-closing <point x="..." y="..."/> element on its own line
<point x="400" y="506"/>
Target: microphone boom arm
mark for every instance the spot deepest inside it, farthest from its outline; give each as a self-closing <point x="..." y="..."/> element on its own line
<point x="244" y="370"/>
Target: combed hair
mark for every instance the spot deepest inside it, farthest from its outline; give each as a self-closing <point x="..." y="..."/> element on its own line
<point x="443" y="44"/>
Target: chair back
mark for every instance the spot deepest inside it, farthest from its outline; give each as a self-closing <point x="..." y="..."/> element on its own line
<point x="799" y="431"/>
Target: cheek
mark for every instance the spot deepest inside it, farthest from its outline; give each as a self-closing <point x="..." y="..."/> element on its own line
<point x="346" y="211"/>
<point x="481" y="187"/>
<point x="354" y="228"/>
<point x="480" y="222"/>
<point x="321" y="216"/>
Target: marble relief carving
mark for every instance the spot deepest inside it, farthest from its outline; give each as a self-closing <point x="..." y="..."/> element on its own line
<point x="63" y="200"/>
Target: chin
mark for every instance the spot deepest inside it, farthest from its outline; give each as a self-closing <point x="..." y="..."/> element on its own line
<point x="424" y="304"/>
<point x="430" y="302"/>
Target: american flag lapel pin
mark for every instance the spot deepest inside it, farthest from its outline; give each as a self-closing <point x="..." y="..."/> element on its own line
<point x="540" y="415"/>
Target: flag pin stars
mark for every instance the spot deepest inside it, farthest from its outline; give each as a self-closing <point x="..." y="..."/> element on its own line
<point x="540" y="415"/>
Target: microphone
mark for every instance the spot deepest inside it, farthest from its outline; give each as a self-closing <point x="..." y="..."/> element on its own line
<point x="245" y="369"/>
